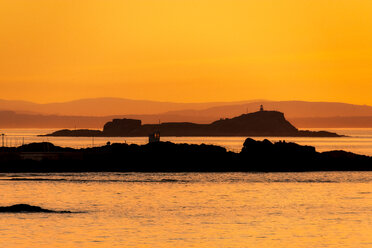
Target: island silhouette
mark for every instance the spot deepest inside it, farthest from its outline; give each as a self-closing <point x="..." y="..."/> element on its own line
<point x="260" y="123"/>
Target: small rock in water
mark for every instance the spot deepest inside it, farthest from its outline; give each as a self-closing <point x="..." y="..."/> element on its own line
<point x="25" y="208"/>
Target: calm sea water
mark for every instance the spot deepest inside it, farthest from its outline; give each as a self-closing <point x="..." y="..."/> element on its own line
<point x="358" y="140"/>
<point x="317" y="209"/>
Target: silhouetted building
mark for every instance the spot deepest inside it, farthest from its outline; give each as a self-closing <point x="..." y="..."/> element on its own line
<point x="261" y="108"/>
<point x="121" y="126"/>
<point x="154" y="137"/>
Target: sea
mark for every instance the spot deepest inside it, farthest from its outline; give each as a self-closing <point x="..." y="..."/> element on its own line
<point x="308" y="209"/>
<point x="314" y="209"/>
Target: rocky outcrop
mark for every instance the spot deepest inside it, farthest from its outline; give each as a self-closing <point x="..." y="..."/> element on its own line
<point x="77" y="133"/>
<point x="262" y="123"/>
<point x="25" y="208"/>
<point x="282" y="156"/>
<point x="170" y="157"/>
<point x="120" y="127"/>
<point x="41" y="147"/>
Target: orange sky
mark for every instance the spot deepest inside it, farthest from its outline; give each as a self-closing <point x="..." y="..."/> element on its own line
<point x="186" y="50"/>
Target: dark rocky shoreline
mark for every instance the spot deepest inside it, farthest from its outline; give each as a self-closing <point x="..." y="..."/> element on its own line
<point x="255" y="156"/>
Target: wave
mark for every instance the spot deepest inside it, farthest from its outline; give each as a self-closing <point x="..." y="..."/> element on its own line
<point x="303" y="181"/>
<point x="311" y="177"/>
<point x="165" y="180"/>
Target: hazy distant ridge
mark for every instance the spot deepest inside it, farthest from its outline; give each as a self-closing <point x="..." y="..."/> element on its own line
<point x="118" y="106"/>
<point x="93" y="113"/>
<point x="105" y="106"/>
<point x="292" y="109"/>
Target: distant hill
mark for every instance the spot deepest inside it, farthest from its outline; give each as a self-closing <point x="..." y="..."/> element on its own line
<point x="11" y="119"/>
<point x="292" y="109"/>
<point x="210" y="111"/>
<point x="93" y="113"/>
<point x="105" y="106"/>
<point x="333" y="122"/>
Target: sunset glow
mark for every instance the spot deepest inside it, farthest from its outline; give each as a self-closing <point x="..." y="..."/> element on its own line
<point x="186" y="50"/>
<point x="185" y="123"/>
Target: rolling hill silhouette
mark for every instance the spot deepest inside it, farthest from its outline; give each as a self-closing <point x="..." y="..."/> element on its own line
<point x="93" y="113"/>
<point x="105" y="106"/>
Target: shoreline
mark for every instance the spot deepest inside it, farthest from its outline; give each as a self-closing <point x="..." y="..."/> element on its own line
<point x="255" y="156"/>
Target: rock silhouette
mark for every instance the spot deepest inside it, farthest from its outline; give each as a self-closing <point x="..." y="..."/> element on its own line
<point x="170" y="157"/>
<point x="25" y="208"/>
<point x="261" y="123"/>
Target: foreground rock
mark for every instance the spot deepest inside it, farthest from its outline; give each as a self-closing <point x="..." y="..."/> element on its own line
<point x="25" y="208"/>
<point x="283" y="156"/>
<point x="170" y="157"/>
<point x="261" y="123"/>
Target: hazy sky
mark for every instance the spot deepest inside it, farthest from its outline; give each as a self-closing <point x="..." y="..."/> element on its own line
<point x="186" y="50"/>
